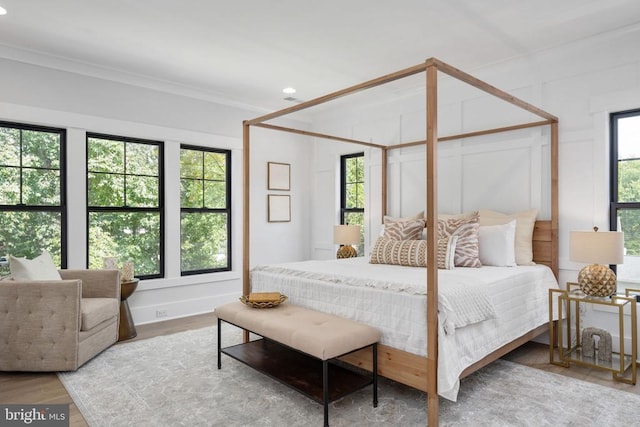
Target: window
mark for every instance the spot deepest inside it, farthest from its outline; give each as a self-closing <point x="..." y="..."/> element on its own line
<point x="625" y="188"/>
<point x="352" y="193"/>
<point x="205" y="210"/>
<point x="125" y="202"/>
<point x="32" y="200"/>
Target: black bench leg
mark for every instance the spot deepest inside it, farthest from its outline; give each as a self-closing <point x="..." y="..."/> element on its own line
<point x="219" y="345"/>
<point x="325" y="391"/>
<point x="375" y="375"/>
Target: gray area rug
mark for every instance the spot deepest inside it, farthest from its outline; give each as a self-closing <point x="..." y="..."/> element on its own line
<point x="173" y="380"/>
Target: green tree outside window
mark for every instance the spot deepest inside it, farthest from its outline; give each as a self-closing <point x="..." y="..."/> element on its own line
<point x="205" y="185"/>
<point x="352" y="193"/>
<point x="124" y="198"/>
<point x="32" y="207"/>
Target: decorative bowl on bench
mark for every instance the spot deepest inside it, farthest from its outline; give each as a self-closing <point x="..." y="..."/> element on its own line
<point x="263" y="299"/>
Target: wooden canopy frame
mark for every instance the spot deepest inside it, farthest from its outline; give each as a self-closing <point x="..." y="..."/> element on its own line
<point x="547" y="246"/>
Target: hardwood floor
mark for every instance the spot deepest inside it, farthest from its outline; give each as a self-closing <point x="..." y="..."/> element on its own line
<point x="45" y="388"/>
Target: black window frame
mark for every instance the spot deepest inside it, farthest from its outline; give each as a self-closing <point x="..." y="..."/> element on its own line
<point x="160" y="209"/>
<point x="62" y="207"/>
<point x="344" y="210"/>
<point x="343" y="186"/>
<point x="226" y="210"/>
<point x="615" y="205"/>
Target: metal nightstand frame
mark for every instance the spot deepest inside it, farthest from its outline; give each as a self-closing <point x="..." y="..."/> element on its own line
<point x="573" y="297"/>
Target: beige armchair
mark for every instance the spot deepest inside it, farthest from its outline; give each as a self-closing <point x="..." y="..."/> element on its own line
<point x="58" y="325"/>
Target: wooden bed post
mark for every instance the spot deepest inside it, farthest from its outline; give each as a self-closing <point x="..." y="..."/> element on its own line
<point x="245" y="206"/>
<point x="555" y="267"/>
<point x="246" y="249"/>
<point x="432" y="236"/>
<point x="383" y="198"/>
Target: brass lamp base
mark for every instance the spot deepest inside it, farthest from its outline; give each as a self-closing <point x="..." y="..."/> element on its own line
<point x="346" y="251"/>
<point x="597" y="280"/>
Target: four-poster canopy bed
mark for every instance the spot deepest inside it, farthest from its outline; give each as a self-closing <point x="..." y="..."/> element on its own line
<point x="416" y="370"/>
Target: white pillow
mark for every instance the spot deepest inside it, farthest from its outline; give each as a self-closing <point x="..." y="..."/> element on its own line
<point x="525" y="222"/>
<point x="497" y="245"/>
<point x="39" y="268"/>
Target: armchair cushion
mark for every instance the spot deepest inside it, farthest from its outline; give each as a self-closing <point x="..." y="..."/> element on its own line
<point x="94" y="311"/>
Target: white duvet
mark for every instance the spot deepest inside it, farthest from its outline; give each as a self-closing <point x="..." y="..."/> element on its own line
<point x="480" y="309"/>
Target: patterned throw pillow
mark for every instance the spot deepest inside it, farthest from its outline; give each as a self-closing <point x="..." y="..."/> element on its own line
<point x="413" y="253"/>
<point x="467" y="249"/>
<point x="404" y="230"/>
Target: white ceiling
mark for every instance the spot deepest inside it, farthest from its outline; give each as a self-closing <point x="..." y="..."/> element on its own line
<point x="244" y="52"/>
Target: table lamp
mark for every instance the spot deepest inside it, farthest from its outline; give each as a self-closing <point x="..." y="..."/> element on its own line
<point x="346" y="236"/>
<point x="597" y="248"/>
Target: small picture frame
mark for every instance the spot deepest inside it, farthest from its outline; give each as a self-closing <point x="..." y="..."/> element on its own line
<point x="278" y="176"/>
<point x="278" y="208"/>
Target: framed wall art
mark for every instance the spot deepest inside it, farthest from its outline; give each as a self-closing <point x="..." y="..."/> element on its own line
<point x="278" y="208"/>
<point x="278" y="176"/>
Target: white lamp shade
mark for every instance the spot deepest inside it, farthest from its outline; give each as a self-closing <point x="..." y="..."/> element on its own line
<point x="346" y="234"/>
<point x="597" y="247"/>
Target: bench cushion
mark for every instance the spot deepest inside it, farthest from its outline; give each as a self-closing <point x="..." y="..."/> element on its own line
<point x="321" y="335"/>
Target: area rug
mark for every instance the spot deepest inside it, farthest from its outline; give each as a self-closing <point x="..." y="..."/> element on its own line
<point x="173" y="380"/>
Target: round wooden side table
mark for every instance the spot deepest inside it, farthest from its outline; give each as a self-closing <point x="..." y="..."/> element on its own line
<point x="127" y="328"/>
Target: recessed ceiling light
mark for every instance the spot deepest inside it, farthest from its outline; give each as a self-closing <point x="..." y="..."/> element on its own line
<point x="289" y="90"/>
<point x="3" y="11"/>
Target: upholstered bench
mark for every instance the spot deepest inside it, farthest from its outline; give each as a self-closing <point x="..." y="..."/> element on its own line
<point x="309" y="341"/>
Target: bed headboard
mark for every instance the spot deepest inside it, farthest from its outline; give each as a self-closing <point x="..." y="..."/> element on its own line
<point x="545" y="245"/>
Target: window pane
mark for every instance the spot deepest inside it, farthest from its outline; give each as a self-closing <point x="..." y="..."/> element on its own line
<point x="25" y="234"/>
<point x="629" y="220"/>
<point x="130" y="236"/>
<point x="40" y="149"/>
<point x="142" y="159"/>
<point x="142" y="191"/>
<point x="41" y="187"/>
<point x="190" y="164"/>
<point x="629" y="137"/>
<point x="358" y="165"/>
<point x="10" y="181"/>
<point x="105" y="156"/>
<point x="203" y="241"/>
<point x="215" y="195"/>
<point x="629" y="181"/>
<point x="10" y="141"/>
<point x="355" y="195"/>
<point x="356" y="218"/>
<point x="191" y="193"/>
<point x="106" y="190"/>
<point x="629" y="223"/>
<point x="215" y="166"/>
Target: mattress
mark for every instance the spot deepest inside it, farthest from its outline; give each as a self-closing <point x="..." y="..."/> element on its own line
<point x="393" y="299"/>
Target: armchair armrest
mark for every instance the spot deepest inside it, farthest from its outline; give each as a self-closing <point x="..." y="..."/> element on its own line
<point x="96" y="283"/>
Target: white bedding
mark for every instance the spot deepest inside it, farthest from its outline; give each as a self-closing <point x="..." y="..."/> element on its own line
<point x="392" y="299"/>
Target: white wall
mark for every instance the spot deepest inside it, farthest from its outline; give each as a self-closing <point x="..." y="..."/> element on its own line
<point x="43" y="96"/>
<point x="581" y="83"/>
